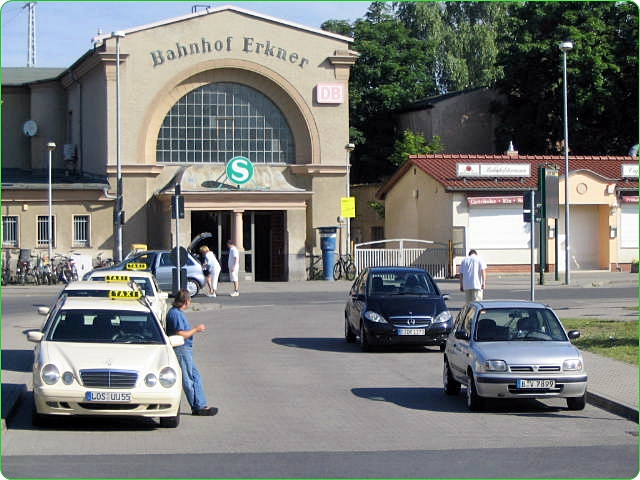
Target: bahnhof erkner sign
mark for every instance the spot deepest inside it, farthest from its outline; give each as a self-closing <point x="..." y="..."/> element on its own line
<point x="186" y="102"/>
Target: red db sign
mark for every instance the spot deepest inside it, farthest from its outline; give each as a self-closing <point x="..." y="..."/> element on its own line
<point x="330" y="93"/>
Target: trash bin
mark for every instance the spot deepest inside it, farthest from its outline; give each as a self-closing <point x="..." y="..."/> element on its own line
<point x="328" y="246"/>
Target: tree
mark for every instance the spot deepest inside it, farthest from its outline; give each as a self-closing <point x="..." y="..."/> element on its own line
<point x="602" y="72"/>
<point x="411" y="143"/>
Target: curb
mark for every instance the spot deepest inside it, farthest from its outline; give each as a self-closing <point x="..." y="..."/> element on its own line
<point x="612" y="407"/>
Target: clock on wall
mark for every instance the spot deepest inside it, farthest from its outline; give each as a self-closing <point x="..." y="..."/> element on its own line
<point x="30" y="128"/>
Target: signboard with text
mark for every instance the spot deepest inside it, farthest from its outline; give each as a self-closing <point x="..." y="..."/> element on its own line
<point x="348" y="207"/>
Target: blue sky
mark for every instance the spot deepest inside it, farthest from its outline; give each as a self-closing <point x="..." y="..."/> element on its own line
<point x="64" y="29"/>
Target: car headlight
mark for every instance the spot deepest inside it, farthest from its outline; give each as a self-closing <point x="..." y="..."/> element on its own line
<point x="150" y="380"/>
<point x="491" y="366"/>
<point x="50" y="374"/>
<point x="168" y="377"/>
<point x="573" y="364"/>
<point x="67" y="378"/>
<point x="442" y="317"/>
<point x="374" y="317"/>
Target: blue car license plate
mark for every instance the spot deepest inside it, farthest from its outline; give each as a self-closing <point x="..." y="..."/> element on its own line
<point x="411" y="331"/>
<point x="108" y="397"/>
<point x="535" y="383"/>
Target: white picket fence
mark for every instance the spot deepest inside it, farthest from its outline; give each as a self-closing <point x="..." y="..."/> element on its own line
<point x="431" y="256"/>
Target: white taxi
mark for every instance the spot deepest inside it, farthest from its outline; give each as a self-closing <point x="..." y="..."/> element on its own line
<point x="147" y="282"/>
<point x="105" y="357"/>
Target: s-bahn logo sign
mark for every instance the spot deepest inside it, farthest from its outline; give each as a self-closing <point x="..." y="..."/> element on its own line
<point x="240" y="170"/>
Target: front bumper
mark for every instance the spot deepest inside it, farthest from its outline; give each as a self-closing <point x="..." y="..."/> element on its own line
<point x="504" y="386"/>
<point x="388" y="334"/>
<point x="57" y="400"/>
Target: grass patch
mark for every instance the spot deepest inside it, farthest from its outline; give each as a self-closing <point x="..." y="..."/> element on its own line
<point x="609" y="338"/>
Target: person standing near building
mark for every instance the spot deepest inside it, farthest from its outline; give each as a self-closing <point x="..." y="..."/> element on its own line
<point x="234" y="267"/>
<point x="211" y="268"/>
<point x="473" y="276"/>
<point x="178" y="324"/>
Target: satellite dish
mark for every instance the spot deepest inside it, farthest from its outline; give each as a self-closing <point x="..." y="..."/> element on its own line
<point x="30" y="128"/>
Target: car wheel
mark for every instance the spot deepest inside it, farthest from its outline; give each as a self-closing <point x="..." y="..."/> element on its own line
<point x="474" y="401"/>
<point x="170" y="422"/>
<point x="193" y="287"/>
<point x="349" y="336"/>
<point x="451" y="386"/>
<point x="577" y="403"/>
<point x="364" y="342"/>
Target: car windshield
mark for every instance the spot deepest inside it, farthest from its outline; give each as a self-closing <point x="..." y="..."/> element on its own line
<point x="401" y="283"/>
<point x="518" y="325"/>
<point x="105" y="326"/>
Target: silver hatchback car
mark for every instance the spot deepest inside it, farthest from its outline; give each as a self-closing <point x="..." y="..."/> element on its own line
<point x="513" y="349"/>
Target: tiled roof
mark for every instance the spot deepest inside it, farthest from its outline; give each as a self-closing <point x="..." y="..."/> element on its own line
<point x="442" y="167"/>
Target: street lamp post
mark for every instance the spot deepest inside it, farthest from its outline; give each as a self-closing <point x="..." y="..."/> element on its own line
<point x="119" y="200"/>
<point x="564" y="48"/>
<point x="51" y="146"/>
<point x="349" y="148"/>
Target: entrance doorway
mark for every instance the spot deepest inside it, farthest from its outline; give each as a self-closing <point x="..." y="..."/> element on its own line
<point x="264" y="241"/>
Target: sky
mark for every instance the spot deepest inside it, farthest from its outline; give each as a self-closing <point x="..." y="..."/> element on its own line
<point x="64" y="29"/>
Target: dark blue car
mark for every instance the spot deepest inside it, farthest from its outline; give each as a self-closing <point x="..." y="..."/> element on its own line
<point x="396" y="306"/>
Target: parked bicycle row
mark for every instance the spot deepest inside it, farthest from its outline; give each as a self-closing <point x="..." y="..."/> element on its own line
<point x="342" y="268"/>
<point x="23" y="268"/>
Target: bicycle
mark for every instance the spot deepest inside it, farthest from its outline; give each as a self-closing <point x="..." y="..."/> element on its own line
<point x="344" y="266"/>
<point x="315" y="272"/>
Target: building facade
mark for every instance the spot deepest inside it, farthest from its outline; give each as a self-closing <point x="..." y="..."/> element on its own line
<point x="476" y="201"/>
<point x="247" y="113"/>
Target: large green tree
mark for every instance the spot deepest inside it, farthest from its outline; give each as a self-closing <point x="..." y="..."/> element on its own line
<point x="602" y="72"/>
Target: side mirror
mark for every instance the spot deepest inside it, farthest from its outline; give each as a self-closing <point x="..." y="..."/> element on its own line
<point x="35" y="336"/>
<point x="176" y="340"/>
<point x="461" y="335"/>
<point x="573" y="334"/>
<point x="445" y="296"/>
<point x="163" y="295"/>
<point x="43" y="310"/>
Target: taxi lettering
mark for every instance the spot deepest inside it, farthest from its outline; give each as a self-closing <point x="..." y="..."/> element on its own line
<point x="136" y="266"/>
<point x="120" y="294"/>
<point x="117" y="278"/>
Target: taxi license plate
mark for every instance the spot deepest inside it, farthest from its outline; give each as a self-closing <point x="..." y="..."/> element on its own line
<point x="522" y="383"/>
<point x="108" y="397"/>
<point x="411" y="331"/>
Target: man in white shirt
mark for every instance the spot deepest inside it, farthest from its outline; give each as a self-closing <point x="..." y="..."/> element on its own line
<point x="473" y="276"/>
<point x="234" y="267"/>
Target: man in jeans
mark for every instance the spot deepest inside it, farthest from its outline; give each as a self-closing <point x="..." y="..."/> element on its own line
<point x="473" y="276"/>
<point x="178" y="324"/>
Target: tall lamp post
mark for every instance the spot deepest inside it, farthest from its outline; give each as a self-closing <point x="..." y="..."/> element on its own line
<point x="51" y="146"/>
<point x="349" y="147"/>
<point x="119" y="201"/>
<point x="564" y="48"/>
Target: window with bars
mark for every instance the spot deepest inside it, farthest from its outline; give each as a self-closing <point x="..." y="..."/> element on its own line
<point x="81" y="231"/>
<point x="219" y="121"/>
<point x="43" y="231"/>
<point x="9" y="231"/>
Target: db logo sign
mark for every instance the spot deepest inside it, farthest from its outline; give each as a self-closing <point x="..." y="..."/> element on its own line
<point x="239" y="170"/>
<point x="330" y="93"/>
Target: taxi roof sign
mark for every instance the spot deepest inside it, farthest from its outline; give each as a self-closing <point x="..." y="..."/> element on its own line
<point x="117" y="278"/>
<point x="137" y="266"/>
<point x="125" y="295"/>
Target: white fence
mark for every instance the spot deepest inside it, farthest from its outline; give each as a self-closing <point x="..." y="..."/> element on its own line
<point x="431" y="256"/>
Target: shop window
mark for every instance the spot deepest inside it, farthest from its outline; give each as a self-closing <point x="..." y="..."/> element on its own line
<point x="240" y="120"/>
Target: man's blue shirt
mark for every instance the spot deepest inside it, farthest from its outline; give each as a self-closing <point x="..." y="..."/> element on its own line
<point x="177" y="321"/>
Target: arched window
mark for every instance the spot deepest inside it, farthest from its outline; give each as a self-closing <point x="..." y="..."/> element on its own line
<point x="219" y="121"/>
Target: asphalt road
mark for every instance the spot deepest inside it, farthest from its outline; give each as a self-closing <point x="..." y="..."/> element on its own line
<point x="297" y="401"/>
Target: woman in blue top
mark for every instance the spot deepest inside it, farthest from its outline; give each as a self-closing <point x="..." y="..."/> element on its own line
<point x="178" y="324"/>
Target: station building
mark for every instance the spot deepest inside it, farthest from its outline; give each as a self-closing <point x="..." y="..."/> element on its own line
<point x="189" y="95"/>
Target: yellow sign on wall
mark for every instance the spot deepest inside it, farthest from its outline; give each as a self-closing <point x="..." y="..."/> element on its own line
<point x="348" y="207"/>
